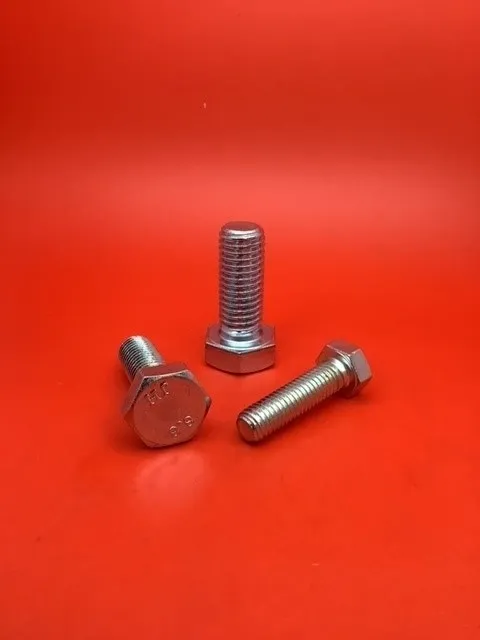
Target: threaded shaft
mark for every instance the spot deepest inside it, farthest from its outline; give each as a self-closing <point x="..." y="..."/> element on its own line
<point x="242" y="249"/>
<point x="282" y="406"/>
<point x="137" y="352"/>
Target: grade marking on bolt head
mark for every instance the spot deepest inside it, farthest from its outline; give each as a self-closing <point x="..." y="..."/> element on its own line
<point x="179" y="426"/>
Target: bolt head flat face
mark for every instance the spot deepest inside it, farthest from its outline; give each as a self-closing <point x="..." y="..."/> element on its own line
<point x="354" y="358"/>
<point x="237" y="359"/>
<point x="165" y="405"/>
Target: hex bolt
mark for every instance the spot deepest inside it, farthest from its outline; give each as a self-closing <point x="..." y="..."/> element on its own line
<point x="240" y="342"/>
<point x="341" y="367"/>
<point x="165" y="404"/>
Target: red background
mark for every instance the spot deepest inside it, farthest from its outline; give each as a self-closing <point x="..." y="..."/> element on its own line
<point x="130" y="132"/>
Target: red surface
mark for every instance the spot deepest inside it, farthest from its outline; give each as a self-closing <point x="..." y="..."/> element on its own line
<point x="130" y="132"/>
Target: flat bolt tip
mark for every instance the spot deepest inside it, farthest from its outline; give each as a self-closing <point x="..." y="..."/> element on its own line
<point x="241" y="229"/>
<point x="247" y="430"/>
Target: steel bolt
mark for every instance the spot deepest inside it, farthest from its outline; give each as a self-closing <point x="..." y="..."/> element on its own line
<point x="240" y="342"/>
<point x="340" y="367"/>
<point x="165" y="404"/>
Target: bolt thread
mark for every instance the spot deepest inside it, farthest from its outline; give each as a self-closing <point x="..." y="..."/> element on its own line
<point x="137" y="352"/>
<point x="242" y="249"/>
<point x="282" y="406"/>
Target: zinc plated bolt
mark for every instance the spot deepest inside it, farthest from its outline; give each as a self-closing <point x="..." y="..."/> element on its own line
<point x="340" y="367"/>
<point x="240" y="342"/>
<point x="165" y="404"/>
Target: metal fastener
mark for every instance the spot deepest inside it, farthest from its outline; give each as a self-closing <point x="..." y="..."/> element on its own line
<point x="240" y="342"/>
<point x="340" y="367"/>
<point x="165" y="404"/>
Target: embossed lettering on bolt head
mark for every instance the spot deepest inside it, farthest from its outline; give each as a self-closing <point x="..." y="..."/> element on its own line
<point x="354" y="358"/>
<point x="234" y="359"/>
<point x="165" y="405"/>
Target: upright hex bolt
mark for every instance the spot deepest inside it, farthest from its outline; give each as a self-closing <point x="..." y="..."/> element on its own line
<point x="240" y="343"/>
<point x="340" y="367"/>
<point x="165" y="404"/>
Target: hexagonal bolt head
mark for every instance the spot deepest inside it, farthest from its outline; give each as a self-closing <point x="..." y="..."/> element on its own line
<point x="233" y="358"/>
<point x="354" y="359"/>
<point x="165" y="405"/>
